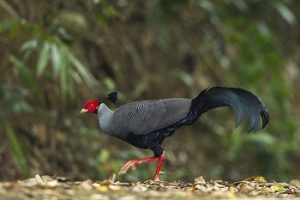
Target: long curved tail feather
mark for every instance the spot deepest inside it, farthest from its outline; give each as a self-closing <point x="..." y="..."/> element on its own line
<point x="244" y="103"/>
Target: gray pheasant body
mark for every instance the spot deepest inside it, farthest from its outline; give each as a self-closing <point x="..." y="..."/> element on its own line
<point x="133" y="122"/>
<point x="145" y="124"/>
<point x="142" y="117"/>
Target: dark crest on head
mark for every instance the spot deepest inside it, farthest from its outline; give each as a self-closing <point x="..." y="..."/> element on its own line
<point x="112" y="97"/>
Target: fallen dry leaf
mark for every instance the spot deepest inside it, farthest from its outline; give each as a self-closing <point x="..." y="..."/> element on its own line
<point x="46" y="187"/>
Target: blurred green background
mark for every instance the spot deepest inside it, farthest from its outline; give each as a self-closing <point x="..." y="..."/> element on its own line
<point x="57" y="54"/>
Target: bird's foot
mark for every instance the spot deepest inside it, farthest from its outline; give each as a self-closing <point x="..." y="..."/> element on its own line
<point x="125" y="167"/>
<point x="132" y="163"/>
<point x="156" y="179"/>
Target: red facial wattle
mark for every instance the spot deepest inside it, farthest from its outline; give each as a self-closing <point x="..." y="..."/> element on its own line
<point x="91" y="106"/>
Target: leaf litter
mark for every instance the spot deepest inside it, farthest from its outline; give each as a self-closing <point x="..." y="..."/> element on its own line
<point x="47" y="187"/>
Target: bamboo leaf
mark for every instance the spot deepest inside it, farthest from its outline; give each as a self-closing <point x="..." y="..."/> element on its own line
<point x="27" y="78"/>
<point x="286" y="13"/>
<point x="84" y="73"/>
<point x="64" y="78"/>
<point x="16" y="149"/>
<point x="29" y="45"/>
<point x="56" y="59"/>
<point x="24" y="72"/>
<point x="9" y="9"/>
<point x="43" y="59"/>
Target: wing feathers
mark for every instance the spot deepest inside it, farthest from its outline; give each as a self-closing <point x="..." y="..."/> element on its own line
<point x="143" y="117"/>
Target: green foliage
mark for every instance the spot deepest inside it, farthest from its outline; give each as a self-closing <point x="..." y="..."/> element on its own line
<point x="16" y="148"/>
<point x="65" y="66"/>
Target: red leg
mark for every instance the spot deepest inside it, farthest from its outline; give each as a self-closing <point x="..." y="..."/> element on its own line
<point x="159" y="164"/>
<point x="132" y="163"/>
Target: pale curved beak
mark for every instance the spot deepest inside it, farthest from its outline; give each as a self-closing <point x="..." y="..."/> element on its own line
<point x="83" y="110"/>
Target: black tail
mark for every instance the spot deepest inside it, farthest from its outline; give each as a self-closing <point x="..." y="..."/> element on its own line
<point x="241" y="101"/>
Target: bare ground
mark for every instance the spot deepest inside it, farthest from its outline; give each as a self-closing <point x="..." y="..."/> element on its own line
<point x="46" y="187"/>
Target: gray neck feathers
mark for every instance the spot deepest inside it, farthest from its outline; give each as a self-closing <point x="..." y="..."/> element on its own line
<point x="105" y="118"/>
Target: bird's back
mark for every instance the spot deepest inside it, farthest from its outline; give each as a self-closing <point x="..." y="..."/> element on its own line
<point x="143" y="117"/>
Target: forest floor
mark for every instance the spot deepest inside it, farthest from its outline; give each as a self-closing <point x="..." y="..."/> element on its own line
<point x="46" y="187"/>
